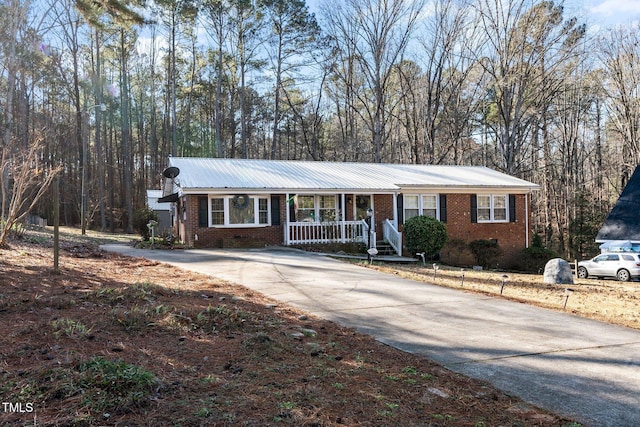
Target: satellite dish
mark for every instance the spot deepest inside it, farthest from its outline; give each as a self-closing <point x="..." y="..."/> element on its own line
<point x="171" y="172"/>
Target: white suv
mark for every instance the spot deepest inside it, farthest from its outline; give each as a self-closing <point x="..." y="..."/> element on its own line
<point x="622" y="266"/>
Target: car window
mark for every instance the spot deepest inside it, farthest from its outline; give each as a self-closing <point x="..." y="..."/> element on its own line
<point x="612" y="257"/>
<point x="600" y="258"/>
<point x="628" y="257"/>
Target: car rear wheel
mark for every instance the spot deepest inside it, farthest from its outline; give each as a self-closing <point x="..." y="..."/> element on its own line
<point x="582" y="273"/>
<point x="623" y="275"/>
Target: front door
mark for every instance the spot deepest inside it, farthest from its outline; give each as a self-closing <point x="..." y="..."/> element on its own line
<point x="363" y="202"/>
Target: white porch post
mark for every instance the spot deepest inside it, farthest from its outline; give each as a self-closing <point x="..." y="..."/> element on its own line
<point x="343" y="229"/>
<point x="287" y="219"/>
<point x="395" y="210"/>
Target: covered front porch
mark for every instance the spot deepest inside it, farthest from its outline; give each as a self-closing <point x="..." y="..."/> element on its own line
<point x="341" y="218"/>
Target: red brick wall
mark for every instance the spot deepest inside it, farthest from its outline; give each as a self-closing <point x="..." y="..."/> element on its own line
<point x="511" y="236"/>
<point x="212" y="237"/>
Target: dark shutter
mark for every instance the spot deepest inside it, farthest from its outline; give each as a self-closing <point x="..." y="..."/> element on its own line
<point x="512" y="208"/>
<point x="400" y="212"/>
<point x="292" y="208"/>
<point x="474" y="208"/>
<point x="275" y="210"/>
<point x="203" y="211"/>
<point x="443" y="208"/>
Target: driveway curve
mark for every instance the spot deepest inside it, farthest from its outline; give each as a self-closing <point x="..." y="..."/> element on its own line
<point x="582" y="369"/>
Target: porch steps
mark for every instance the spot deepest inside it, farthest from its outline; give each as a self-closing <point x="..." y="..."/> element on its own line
<point x="384" y="248"/>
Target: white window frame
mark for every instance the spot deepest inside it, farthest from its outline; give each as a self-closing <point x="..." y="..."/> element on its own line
<point x="421" y="205"/>
<point x="227" y="199"/>
<point x="317" y="208"/>
<point x="492" y="208"/>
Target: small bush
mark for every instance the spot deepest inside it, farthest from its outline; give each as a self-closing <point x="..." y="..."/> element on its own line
<point x="425" y="234"/>
<point x="455" y="251"/>
<point x="141" y="218"/>
<point x="535" y="257"/>
<point x="486" y="252"/>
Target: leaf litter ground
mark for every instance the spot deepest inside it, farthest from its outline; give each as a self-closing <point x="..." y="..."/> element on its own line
<point x="115" y="341"/>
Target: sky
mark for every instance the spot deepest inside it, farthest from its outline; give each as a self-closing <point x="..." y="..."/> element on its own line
<point x="600" y="13"/>
<point x="606" y="13"/>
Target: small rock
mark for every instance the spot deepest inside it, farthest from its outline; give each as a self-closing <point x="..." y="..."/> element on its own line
<point x="303" y="317"/>
<point x="437" y="392"/>
<point x="271" y="306"/>
<point x="309" y="332"/>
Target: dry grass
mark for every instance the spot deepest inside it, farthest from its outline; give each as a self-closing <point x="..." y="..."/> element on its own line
<point x="606" y="300"/>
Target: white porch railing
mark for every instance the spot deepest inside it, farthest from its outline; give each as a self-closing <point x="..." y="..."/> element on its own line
<point x="392" y="236"/>
<point x="327" y="232"/>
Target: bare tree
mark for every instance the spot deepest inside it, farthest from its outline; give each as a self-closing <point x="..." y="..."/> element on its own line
<point x="377" y="32"/>
<point x="293" y="32"/>
<point x="620" y="56"/>
<point x="527" y="47"/>
<point x="30" y="180"/>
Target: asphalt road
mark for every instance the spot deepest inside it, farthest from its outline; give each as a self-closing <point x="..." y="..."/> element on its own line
<point x="583" y="369"/>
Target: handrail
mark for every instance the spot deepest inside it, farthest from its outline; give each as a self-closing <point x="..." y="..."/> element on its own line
<point x="392" y="236"/>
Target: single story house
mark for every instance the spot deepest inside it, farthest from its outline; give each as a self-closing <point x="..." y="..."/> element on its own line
<point x="240" y="203"/>
<point x="621" y="230"/>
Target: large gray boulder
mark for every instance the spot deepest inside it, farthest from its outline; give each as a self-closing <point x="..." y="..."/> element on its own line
<point x="558" y="272"/>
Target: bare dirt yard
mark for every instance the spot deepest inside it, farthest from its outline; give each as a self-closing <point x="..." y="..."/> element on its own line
<point x="116" y="341"/>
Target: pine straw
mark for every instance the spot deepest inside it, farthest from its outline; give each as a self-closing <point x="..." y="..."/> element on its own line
<point x="220" y="354"/>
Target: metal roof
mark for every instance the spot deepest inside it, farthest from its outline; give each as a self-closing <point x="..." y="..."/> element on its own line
<point x="291" y="175"/>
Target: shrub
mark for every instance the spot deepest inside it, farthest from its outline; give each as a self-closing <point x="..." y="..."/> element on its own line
<point x="425" y="234"/>
<point x="141" y="218"/>
<point x="535" y="257"/>
<point x="486" y="252"/>
<point x="456" y="252"/>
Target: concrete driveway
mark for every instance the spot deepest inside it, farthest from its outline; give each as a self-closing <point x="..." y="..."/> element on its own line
<point x="583" y="369"/>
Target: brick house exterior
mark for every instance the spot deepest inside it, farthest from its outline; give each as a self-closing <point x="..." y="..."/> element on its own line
<point x="230" y="203"/>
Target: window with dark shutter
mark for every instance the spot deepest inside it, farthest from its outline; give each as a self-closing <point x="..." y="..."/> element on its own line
<point x="400" y="212"/>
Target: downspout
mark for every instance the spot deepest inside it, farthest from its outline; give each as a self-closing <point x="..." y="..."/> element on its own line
<point x="526" y="218"/>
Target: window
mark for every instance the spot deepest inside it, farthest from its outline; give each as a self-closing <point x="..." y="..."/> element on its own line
<point x="327" y="208"/>
<point x="263" y="211"/>
<point x="239" y="210"/>
<point x="242" y="210"/>
<point x="306" y="209"/>
<point x="217" y="211"/>
<point x="492" y="208"/>
<point x="312" y="208"/>
<point x="430" y="205"/>
<point x="411" y="207"/>
<point x="424" y="204"/>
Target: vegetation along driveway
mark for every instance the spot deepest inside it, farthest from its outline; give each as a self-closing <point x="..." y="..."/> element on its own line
<point x="579" y="368"/>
